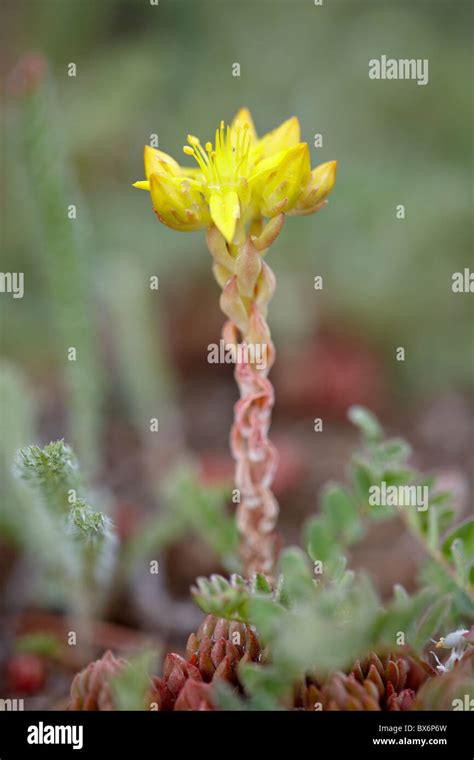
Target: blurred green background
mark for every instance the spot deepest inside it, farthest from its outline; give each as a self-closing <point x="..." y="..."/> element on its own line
<point x="167" y="69"/>
<point x="142" y="70"/>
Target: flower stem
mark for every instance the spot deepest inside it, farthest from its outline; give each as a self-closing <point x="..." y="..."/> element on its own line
<point x="248" y="286"/>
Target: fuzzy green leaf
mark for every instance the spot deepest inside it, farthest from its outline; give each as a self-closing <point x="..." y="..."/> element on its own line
<point x="366" y="422"/>
<point x="395" y="450"/>
<point x="341" y="513"/>
<point x="266" y="615"/>
<point x="431" y="622"/>
<point x="320" y="539"/>
<point x="297" y="580"/>
<point x="465" y="531"/>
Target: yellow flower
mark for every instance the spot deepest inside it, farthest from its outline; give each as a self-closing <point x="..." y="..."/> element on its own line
<point x="237" y="179"/>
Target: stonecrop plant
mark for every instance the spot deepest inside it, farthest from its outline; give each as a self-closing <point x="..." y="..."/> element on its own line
<point x="241" y="190"/>
<point x="294" y="629"/>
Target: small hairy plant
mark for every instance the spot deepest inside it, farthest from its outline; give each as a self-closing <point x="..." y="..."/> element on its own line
<point x="87" y="537"/>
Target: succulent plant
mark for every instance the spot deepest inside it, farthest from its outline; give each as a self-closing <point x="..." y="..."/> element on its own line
<point x="212" y="654"/>
<point x="91" y="689"/>
<point x="376" y="683"/>
<point x="176" y="672"/>
<point x="195" y="696"/>
<point x="218" y="647"/>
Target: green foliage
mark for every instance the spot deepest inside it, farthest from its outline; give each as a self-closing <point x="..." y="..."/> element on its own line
<point x="51" y="472"/>
<point x="458" y="548"/>
<point x="26" y="520"/>
<point x="367" y="422"/>
<point x="337" y="528"/>
<point x="229" y="598"/>
<point x="450" y="547"/>
<point x="347" y="511"/>
<point x="42" y="644"/>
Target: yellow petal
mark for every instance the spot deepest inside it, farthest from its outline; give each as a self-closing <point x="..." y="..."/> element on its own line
<point x="142" y="184"/>
<point x="283" y="137"/>
<point x="157" y="161"/>
<point x="263" y="169"/>
<point x="225" y="210"/>
<point x="242" y="117"/>
<point x="285" y="182"/>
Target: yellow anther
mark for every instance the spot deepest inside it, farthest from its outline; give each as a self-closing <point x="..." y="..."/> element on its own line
<point x="188" y="150"/>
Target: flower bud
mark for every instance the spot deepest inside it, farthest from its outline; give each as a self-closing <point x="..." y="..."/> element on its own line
<point x="269" y="233"/>
<point x="158" y="162"/>
<point x="320" y="184"/>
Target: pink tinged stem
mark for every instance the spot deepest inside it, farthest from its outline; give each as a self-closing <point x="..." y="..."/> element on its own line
<point x="246" y="293"/>
<point x="255" y="456"/>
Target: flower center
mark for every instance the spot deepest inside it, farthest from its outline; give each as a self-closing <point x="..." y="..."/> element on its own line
<point x="228" y="161"/>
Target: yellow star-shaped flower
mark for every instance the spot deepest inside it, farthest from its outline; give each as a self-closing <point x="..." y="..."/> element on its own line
<point x="239" y="178"/>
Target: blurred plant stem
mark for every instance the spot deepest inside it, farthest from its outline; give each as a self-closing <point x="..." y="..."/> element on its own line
<point x="142" y="367"/>
<point x="59" y="223"/>
<point x="18" y="418"/>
